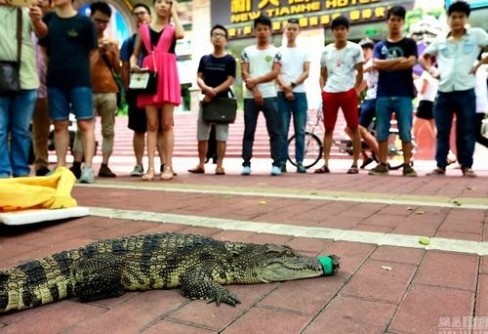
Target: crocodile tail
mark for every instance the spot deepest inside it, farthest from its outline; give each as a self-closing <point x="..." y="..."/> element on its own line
<point x="35" y="283"/>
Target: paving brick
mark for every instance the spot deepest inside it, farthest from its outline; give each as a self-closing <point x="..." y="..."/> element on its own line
<point x="398" y="254"/>
<point x="352" y="255"/>
<point x="417" y="228"/>
<point x="380" y="280"/>
<point x="310" y="245"/>
<point x="65" y="313"/>
<point x="306" y="296"/>
<point x="374" y="228"/>
<point x="481" y="301"/>
<point x="448" y="270"/>
<point x="165" y="326"/>
<point x="263" y="238"/>
<point x="424" y="306"/>
<point x="135" y="315"/>
<point x="459" y="235"/>
<point x="463" y="225"/>
<point x="209" y="316"/>
<point x="352" y="315"/>
<point x="268" y="321"/>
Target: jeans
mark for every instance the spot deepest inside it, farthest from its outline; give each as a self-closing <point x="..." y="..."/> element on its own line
<point x="298" y="108"/>
<point x="62" y="101"/>
<point x="273" y="124"/>
<point x="402" y="106"/>
<point x="463" y="104"/>
<point x="15" y="138"/>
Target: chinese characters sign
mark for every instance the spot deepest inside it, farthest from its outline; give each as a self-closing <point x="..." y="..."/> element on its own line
<point x="238" y="15"/>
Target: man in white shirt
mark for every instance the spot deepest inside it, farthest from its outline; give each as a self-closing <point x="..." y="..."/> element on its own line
<point x="292" y="98"/>
<point x="260" y="66"/>
<point x="341" y="75"/>
<point x="455" y="53"/>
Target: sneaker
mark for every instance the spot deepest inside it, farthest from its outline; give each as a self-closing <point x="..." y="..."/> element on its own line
<point x="43" y="171"/>
<point x="301" y="168"/>
<point x="381" y="169"/>
<point x="167" y="173"/>
<point x="437" y="171"/>
<point x="137" y="171"/>
<point x="275" y="170"/>
<point x="246" y="170"/>
<point x="87" y="175"/>
<point x="468" y="172"/>
<point x="409" y="171"/>
<point x="76" y="171"/>
<point x="105" y="171"/>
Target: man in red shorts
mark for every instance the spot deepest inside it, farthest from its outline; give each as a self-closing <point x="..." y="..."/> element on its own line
<point x="341" y="74"/>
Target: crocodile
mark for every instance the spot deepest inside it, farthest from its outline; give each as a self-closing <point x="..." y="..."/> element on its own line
<point x="198" y="265"/>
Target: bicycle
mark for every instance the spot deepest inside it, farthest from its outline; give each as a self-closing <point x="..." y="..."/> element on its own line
<point x="314" y="148"/>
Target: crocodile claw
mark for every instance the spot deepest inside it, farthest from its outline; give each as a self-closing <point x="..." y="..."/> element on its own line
<point x="225" y="297"/>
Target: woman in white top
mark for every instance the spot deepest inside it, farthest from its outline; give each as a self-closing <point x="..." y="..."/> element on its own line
<point x="427" y="87"/>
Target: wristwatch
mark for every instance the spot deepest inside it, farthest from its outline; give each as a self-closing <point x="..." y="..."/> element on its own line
<point x="293" y="85"/>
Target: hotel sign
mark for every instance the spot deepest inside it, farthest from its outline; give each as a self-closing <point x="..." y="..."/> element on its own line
<point x="238" y="15"/>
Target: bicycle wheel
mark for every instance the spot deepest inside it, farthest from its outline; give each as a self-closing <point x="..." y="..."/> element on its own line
<point x="313" y="150"/>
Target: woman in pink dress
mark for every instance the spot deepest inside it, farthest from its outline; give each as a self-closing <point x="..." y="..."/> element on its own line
<point x="159" y="41"/>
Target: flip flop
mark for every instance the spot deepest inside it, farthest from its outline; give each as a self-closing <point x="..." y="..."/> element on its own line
<point x="197" y="170"/>
<point x="322" y="170"/>
<point x="219" y="171"/>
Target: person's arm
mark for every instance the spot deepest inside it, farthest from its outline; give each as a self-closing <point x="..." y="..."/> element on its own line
<point x="323" y="77"/>
<point x="134" y="67"/>
<point x="267" y="77"/>
<point x="125" y="68"/>
<point x="40" y="28"/>
<point x="359" y="77"/>
<point x="179" y="30"/>
<point x="404" y="64"/>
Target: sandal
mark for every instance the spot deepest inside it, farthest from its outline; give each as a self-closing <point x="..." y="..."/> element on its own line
<point x="197" y="170"/>
<point x="322" y="170"/>
<point x="353" y="170"/>
<point x="149" y="176"/>
<point x="219" y="171"/>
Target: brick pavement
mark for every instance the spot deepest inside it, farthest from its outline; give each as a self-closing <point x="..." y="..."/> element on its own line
<point x="388" y="282"/>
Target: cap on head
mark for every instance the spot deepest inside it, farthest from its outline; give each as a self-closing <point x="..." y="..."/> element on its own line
<point x="366" y="42"/>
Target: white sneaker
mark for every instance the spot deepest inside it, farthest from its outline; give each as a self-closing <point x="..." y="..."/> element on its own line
<point x="87" y="175"/>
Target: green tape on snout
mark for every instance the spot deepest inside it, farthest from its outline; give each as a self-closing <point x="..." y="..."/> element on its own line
<point x="327" y="265"/>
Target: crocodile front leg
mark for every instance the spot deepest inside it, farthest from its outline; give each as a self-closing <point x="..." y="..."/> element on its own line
<point x="98" y="277"/>
<point x="196" y="285"/>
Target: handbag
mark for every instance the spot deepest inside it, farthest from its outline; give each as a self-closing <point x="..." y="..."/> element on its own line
<point x="144" y="82"/>
<point x="220" y="109"/>
<point x="10" y="70"/>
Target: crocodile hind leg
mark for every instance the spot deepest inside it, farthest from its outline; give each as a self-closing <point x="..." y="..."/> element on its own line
<point x="98" y="277"/>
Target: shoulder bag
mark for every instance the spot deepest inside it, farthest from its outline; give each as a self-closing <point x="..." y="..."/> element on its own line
<point x="220" y="109"/>
<point x="117" y="79"/>
<point x="10" y="70"/>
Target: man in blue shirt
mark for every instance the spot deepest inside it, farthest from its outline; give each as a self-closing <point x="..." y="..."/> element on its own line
<point x="394" y="59"/>
<point x="456" y="53"/>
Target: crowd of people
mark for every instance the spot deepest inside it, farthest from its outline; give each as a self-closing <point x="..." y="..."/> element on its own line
<point x="69" y="65"/>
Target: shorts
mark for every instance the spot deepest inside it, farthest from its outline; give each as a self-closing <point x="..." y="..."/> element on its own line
<point x="63" y="101"/>
<point x="203" y="129"/>
<point x="137" y="116"/>
<point x="368" y="112"/>
<point x="402" y="106"/>
<point x="348" y="101"/>
<point x="425" y="110"/>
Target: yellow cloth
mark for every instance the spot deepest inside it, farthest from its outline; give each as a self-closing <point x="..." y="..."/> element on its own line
<point x="40" y="192"/>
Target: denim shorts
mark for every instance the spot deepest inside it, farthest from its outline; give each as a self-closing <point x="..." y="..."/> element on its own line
<point x="368" y="112"/>
<point x="63" y="101"/>
<point x="403" y="108"/>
